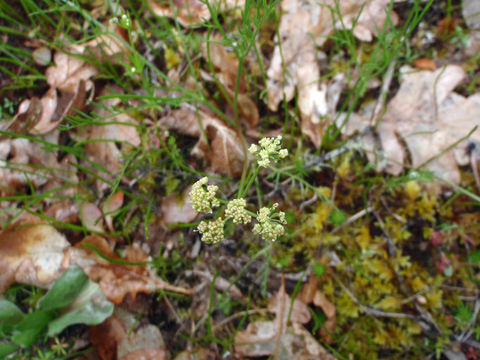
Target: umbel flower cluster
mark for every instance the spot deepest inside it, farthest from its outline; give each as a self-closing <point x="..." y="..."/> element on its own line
<point x="269" y="149"/>
<point x="270" y="221"/>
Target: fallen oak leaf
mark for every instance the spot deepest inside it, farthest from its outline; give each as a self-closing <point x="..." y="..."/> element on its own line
<point x="31" y="254"/>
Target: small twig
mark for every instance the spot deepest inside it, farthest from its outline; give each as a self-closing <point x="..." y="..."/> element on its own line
<point x="396" y="216"/>
<point x="380" y="105"/>
<point x="353" y="218"/>
<point x="239" y="315"/>
<point x="309" y="201"/>
<point x="372" y="311"/>
<point x="473" y="163"/>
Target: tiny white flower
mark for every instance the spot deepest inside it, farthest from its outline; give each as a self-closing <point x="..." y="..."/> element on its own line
<point x="253" y="149"/>
<point x="283" y="153"/>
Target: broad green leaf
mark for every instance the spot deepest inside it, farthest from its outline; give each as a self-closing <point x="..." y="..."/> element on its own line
<point x="90" y="308"/>
<point x="6" y="349"/>
<point x="65" y="289"/>
<point x="31" y="327"/>
<point x="9" y="314"/>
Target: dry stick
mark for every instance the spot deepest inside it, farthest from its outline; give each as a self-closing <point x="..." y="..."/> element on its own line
<point x="369" y="310"/>
<point x="392" y="253"/>
<point x="239" y="315"/>
<point x="380" y="105"/>
<point x="473" y="163"/>
<point x="353" y="218"/>
<point x="309" y="201"/>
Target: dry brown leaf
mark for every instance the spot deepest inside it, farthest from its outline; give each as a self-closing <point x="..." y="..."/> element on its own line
<point x="429" y="118"/>
<point x="188" y="12"/>
<point x="113" y="203"/>
<point x="70" y="77"/>
<point x="37" y="254"/>
<point x="108" y="141"/>
<point x="471" y="13"/>
<point x="144" y="344"/>
<point x="69" y="80"/>
<point x="91" y="217"/>
<point x="109" y="46"/>
<point x="311" y="294"/>
<point x="226" y="67"/>
<point x="196" y="354"/>
<point x="116" y="280"/>
<point x="225" y="153"/>
<point x="425" y="64"/>
<point x="31" y="254"/>
<point x="177" y="210"/>
<point x="113" y="341"/>
<point x="294" y="64"/>
<point x="277" y="337"/>
<point x="24" y="162"/>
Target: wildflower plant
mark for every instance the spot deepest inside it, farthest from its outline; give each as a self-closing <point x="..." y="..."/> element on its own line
<point x="269" y="221"/>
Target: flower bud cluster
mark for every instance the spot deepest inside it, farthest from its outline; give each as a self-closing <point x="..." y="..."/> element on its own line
<point x="269" y="150"/>
<point x="203" y="196"/>
<point x="212" y="230"/>
<point x="270" y="223"/>
<point x="236" y="210"/>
